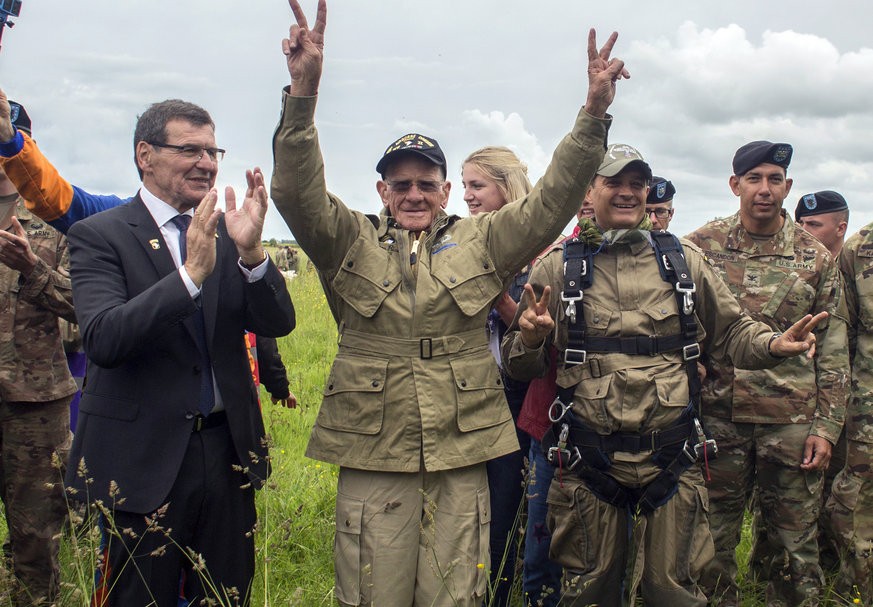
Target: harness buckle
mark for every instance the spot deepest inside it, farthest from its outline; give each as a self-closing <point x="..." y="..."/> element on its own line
<point x="687" y="300"/>
<point x="555" y="417"/>
<point x="581" y="354"/>
<point x="691" y="352"/>
<point x="665" y="261"/>
<point x="688" y="452"/>
<point x="571" y="305"/>
<point x="556" y="455"/>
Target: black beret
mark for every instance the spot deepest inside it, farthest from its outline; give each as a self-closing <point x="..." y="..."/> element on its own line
<point x="759" y="152"/>
<point x="19" y="118"/>
<point x="818" y="203"/>
<point x="416" y="144"/>
<point x="661" y="190"/>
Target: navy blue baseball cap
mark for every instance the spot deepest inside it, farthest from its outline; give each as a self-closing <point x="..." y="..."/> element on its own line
<point x="660" y="191"/>
<point x="819" y="203"/>
<point x="760" y="152"/>
<point x="413" y="143"/>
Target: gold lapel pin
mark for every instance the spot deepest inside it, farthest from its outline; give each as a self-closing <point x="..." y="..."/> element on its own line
<point x="156" y="244"/>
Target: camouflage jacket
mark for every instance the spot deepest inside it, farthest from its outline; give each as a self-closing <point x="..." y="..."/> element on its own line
<point x="413" y="381"/>
<point x="856" y="265"/>
<point x="33" y="367"/>
<point x="777" y="281"/>
<point x="638" y="393"/>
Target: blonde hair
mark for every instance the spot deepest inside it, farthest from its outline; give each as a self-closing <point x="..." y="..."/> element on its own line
<point x="501" y="165"/>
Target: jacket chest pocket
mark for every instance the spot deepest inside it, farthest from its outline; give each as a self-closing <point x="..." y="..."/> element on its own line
<point x="366" y="277"/>
<point x="468" y="274"/>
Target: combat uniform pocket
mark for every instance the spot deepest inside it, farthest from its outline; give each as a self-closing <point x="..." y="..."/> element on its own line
<point x="366" y="277"/>
<point x="468" y="273"/>
<point x="787" y="305"/>
<point x="479" y="391"/>
<point x="571" y="544"/>
<point x="347" y="549"/>
<point x="354" y="395"/>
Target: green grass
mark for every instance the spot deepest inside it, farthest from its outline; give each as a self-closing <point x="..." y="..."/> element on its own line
<point x="294" y="540"/>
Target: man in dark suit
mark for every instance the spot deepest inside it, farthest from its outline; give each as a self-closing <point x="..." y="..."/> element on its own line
<point x="170" y="440"/>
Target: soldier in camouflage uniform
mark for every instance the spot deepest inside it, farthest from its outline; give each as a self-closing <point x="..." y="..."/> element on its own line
<point x="850" y="506"/>
<point x="35" y="391"/>
<point x="775" y="429"/>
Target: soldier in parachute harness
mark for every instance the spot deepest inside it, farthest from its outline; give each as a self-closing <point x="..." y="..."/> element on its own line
<point x="627" y="509"/>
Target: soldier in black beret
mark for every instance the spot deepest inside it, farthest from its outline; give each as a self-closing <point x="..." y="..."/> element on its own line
<point x="659" y="203"/>
<point x="825" y="215"/>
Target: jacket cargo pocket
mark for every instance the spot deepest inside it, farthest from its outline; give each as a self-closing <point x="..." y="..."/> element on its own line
<point x="354" y="395"/>
<point x="469" y="275"/>
<point x="366" y="277"/>
<point x="672" y="389"/>
<point x="479" y="391"/>
<point x="347" y="549"/>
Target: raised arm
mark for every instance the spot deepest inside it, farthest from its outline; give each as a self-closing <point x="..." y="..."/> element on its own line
<point x="304" y="50"/>
<point x="46" y="194"/>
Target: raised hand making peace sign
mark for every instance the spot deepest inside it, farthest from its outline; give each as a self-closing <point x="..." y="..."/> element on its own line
<point x="304" y="50"/>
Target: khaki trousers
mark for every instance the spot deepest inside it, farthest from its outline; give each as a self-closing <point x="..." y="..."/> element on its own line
<point x="412" y="539"/>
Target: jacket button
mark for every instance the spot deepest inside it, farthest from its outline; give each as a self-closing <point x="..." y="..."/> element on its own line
<point x="463" y="383"/>
<point x="498" y="381"/>
<point x="330" y="386"/>
<point x="385" y="283"/>
<point x="453" y="280"/>
<point x="349" y="264"/>
<point x="484" y="266"/>
<point x="348" y="523"/>
<point x="375" y="384"/>
<point x="189" y="415"/>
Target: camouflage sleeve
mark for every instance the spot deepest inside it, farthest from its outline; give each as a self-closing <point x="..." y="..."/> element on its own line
<point x="847" y="262"/>
<point x="519" y="361"/>
<point x="832" y="357"/>
<point x="49" y="287"/>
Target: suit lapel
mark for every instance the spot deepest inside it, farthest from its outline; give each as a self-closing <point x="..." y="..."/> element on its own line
<point x="144" y="229"/>
<point x="148" y="234"/>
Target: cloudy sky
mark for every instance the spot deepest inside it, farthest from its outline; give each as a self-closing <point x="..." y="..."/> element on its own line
<point x="706" y="78"/>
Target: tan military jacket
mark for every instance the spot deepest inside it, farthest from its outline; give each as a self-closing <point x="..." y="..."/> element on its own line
<point x="777" y="281"/>
<point x="33" y="367"/>
<point x="618" y="392"/>
<point x="413" y="380"/>
<point x="856" y="265"/>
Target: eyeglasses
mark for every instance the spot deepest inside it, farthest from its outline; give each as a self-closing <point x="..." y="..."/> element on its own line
<point x="193" y="152"/>
<point x="660" y="213"/>
<point x="425" y="187"/>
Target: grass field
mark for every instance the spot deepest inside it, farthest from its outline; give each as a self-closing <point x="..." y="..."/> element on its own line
<point x="294" y="540"/>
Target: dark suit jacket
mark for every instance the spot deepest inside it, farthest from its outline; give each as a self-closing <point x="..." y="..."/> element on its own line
<point x="143" y="381"/>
